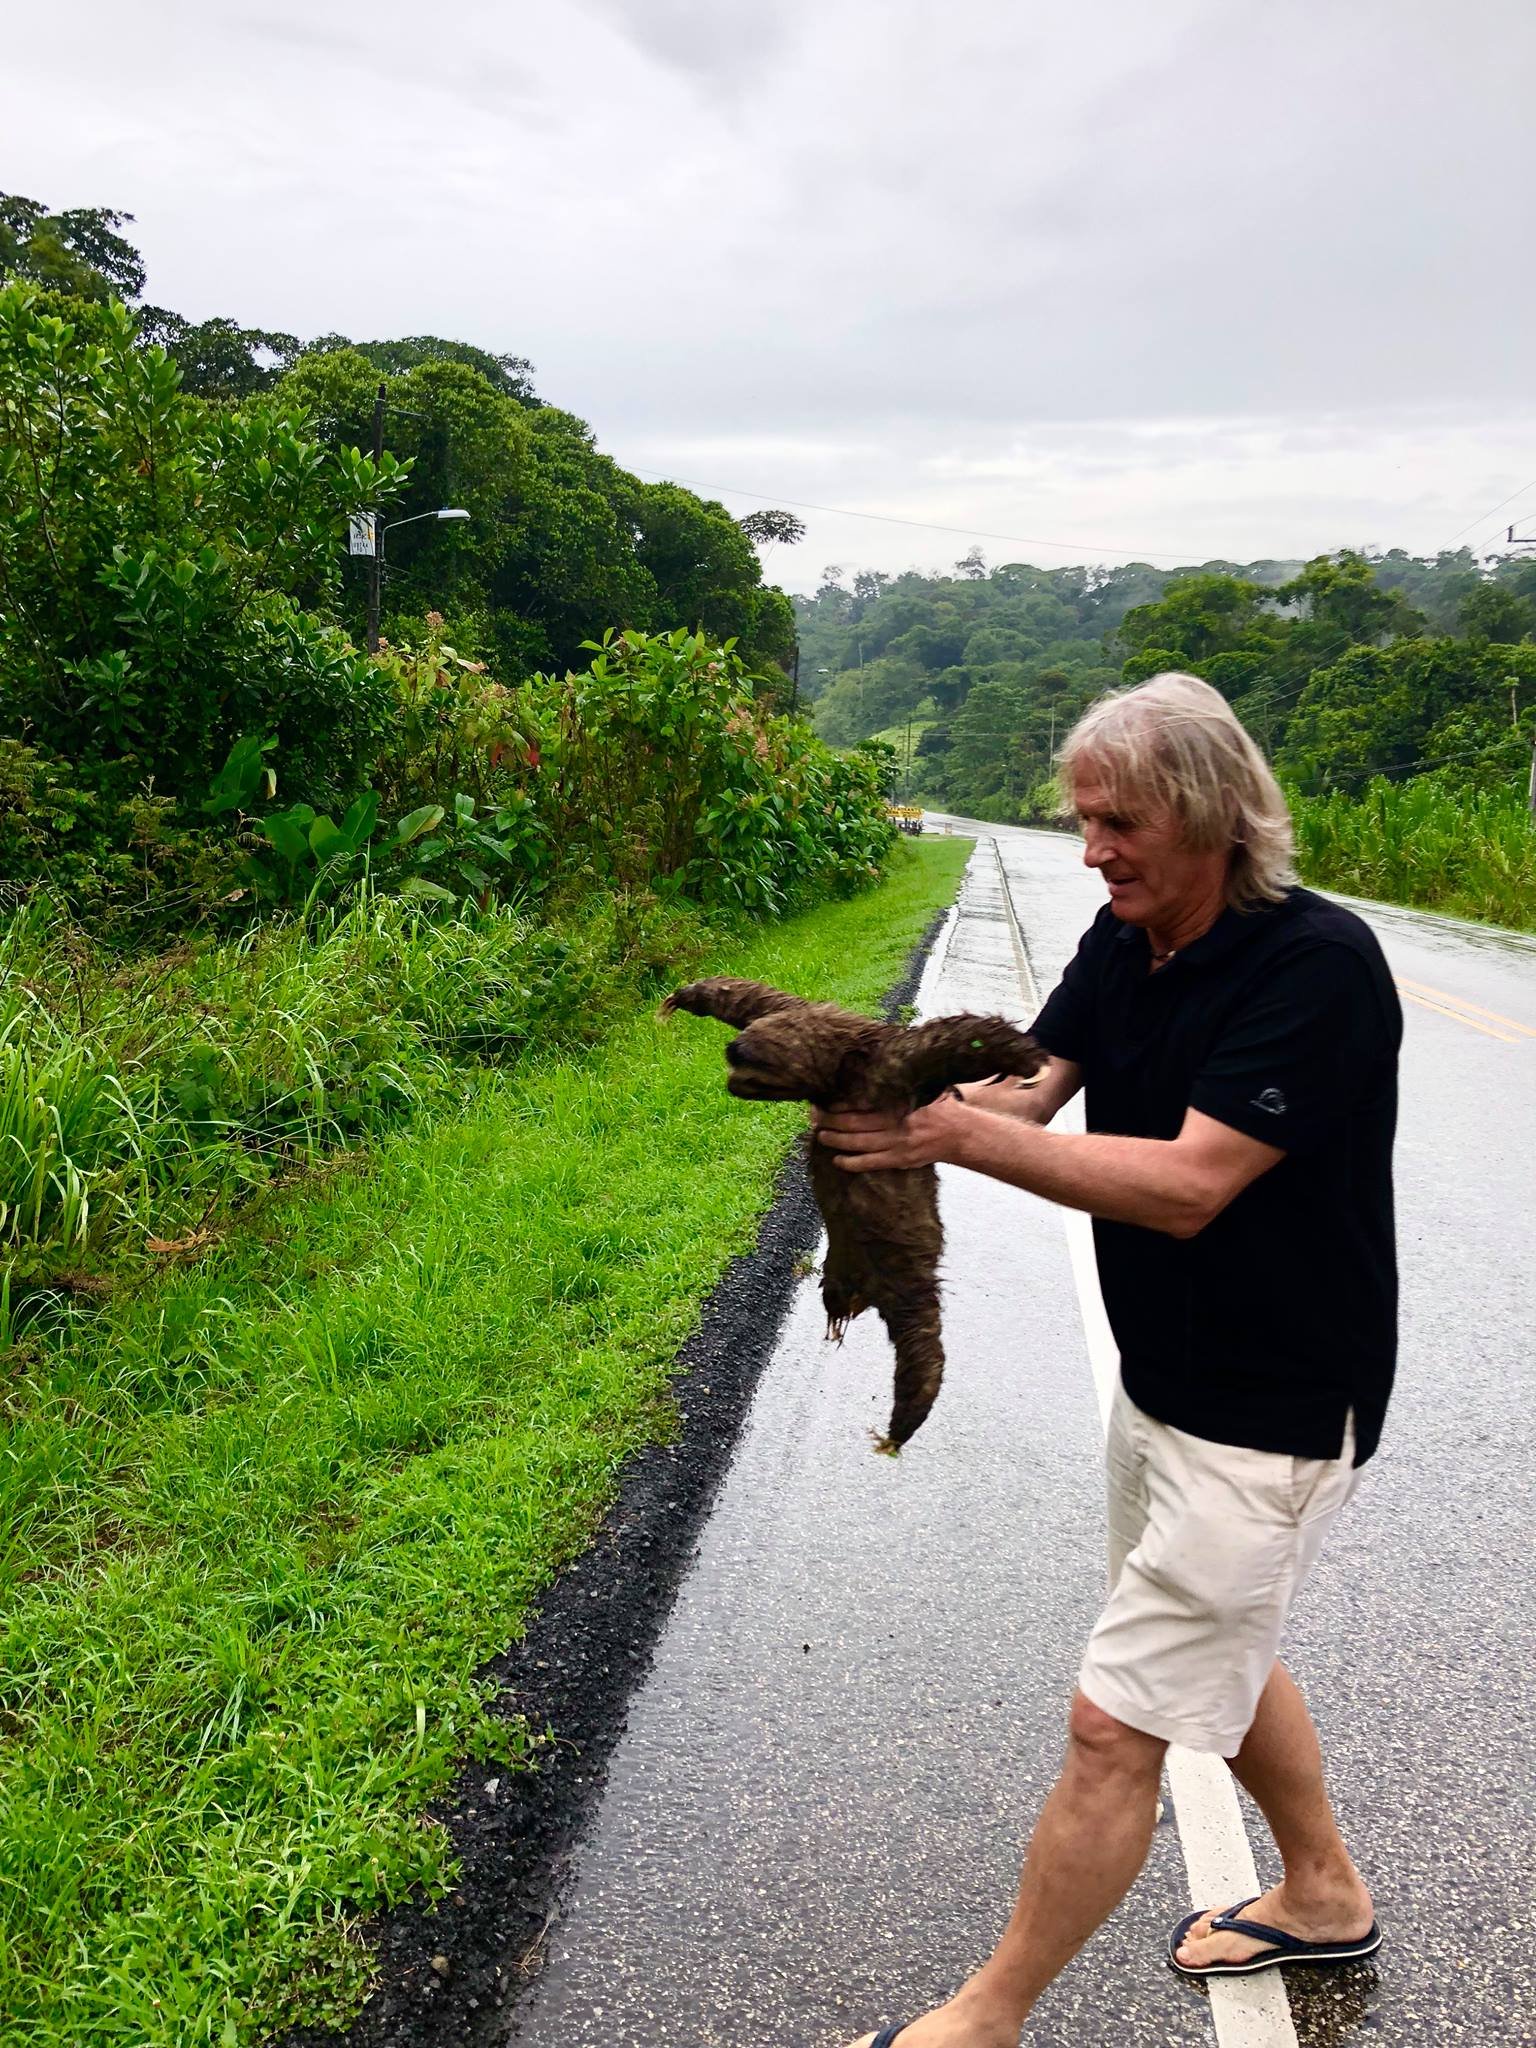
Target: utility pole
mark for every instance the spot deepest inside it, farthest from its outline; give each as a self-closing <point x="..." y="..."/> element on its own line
<point x="376" y="561"/>
<point x="794" y="687"/>
<point x="1524" y="540"/>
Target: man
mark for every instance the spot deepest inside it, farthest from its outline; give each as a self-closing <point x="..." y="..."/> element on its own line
<point x="1237" y="1038"/>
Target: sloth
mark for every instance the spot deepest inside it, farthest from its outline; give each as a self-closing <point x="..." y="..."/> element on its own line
<point x="884" y="1237"/>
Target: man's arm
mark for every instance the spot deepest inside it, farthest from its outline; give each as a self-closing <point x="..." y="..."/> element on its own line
<point x="1034" y="1101"/>
<point x="1176" y="1185"/>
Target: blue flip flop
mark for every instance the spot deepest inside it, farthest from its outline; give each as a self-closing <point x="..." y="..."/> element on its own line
<point x="1283" y="1948"/>
<point x="887" y="2035"/>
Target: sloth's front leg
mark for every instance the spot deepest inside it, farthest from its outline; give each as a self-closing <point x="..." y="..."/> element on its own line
<point x="734" y="1001"/>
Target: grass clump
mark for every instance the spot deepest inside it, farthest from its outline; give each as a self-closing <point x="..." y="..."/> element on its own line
<point x="264" y="1517"/>
<point x="142" y="1099"/>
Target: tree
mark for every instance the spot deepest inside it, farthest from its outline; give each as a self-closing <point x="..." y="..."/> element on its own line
<point x="1434" y="585"/>
<point x="986" y="742"/>
<point x="569" y="567"/>
<point x="1494" y="612"/>
<point x="219" y="358"/>
<point x="468" y="445"/>
<point x="165" y="565"/>
<point x="77" y="252"/>
<point x="972" y="564"/>
<point x="1197" y="616"/>
<point x="772" y="527"/>
<point x="1373" y="711"/>
<point x="930" y="647"/>
<point x="510" y="376"/>
<point x="701" y="561"/>
<point x="1342" y="601"/>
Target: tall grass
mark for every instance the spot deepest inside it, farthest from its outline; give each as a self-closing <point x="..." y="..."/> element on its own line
<point x="137" y="1098"/>
<point x="1469" y="852"/>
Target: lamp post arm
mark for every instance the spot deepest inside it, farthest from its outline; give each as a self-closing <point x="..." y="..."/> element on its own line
<point x="411" y="521"/>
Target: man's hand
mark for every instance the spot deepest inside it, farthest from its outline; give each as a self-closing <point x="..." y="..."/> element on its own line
<point x="870" y="1138"/>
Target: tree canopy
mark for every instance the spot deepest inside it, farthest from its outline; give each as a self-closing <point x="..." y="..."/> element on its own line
<point x="1345" y="666"/>
<point x="561" y="543"/>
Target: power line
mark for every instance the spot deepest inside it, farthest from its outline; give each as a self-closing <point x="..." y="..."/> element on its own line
<point x="1531" y="486"/>
<point x="1401" y="767"/>
<point x="1347" y="640"/>
<point x="925" y="525"/>
<point x="1276" y="702"/>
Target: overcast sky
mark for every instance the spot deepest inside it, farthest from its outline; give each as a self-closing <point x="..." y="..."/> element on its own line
<point x="1159" y="282"/>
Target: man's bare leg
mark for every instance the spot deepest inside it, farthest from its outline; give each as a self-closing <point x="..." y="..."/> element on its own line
<point x="1089" y="1843"/>
<point x="1321" y="1897"/>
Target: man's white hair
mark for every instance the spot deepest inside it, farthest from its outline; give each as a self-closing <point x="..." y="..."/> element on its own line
<point x="1174" y="746"/>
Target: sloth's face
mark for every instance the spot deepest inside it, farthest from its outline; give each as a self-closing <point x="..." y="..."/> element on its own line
<point x="778" y="1060"/>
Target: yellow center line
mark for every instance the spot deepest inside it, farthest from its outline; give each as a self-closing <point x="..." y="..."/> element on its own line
<point x="1471" y="1022"/>
<point x="1405" y="982"/>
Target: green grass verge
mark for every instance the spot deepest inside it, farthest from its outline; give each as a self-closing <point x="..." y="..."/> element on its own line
<point x="265" y="1519"/>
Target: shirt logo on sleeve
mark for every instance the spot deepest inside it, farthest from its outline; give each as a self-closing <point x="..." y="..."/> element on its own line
<point x="1272" y="1100"/>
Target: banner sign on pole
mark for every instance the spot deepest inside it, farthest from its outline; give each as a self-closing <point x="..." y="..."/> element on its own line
<point x="360" y="533"/>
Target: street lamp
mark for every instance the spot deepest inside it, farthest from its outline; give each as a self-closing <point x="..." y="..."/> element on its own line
<point x="376" y="568"/>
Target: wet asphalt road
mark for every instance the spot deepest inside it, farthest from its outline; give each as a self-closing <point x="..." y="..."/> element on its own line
<point x="814" y="1821"/>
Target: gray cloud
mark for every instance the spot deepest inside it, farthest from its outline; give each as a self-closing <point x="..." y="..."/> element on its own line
<point x="724" y="45"/>
<point x="1214" y="273"/>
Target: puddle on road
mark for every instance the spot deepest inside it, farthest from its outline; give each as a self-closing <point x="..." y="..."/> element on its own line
<point x="1333" y="2007"/>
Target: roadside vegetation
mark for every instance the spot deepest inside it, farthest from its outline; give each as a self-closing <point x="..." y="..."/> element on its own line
<point x="352" y="1206"/>
<point x="1470" y="853"/>
<point x="267" y="1511"/>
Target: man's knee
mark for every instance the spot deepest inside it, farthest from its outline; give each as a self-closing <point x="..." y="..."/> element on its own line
<point x="1100" y="1743"/>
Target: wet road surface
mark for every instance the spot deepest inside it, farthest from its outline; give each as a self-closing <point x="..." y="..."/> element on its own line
<point x="814" y="1822"/>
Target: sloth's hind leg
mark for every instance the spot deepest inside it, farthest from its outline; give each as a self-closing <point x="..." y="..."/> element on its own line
<point x="914" y="1327"/>
<point x="842" y="1293"/>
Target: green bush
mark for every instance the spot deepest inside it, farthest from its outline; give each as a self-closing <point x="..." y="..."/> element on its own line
<point x="154" y="551"/>
<point x="659" y="770"/>
<point x="455" y="728"/>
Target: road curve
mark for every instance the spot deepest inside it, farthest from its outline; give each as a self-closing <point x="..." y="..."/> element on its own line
<point x="813" y="1822"/>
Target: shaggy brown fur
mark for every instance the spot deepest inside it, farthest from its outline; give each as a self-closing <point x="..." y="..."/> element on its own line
<point x="883" y="1231"/>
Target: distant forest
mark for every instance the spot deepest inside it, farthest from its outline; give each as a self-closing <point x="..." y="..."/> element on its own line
<point x="1346" y="667"/>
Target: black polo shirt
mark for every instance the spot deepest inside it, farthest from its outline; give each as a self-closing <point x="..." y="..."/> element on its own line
<point x="1282" y="1022"/>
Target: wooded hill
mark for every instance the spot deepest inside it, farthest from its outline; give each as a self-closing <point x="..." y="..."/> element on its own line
<point x="1346" y="667"/>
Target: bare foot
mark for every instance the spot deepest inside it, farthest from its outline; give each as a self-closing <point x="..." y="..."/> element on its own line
<point x="1345" y="1919"/>
<point x="967" y="2021"/>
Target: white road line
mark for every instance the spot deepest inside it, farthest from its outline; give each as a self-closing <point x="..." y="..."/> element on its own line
<point x="1247" y="2012"/>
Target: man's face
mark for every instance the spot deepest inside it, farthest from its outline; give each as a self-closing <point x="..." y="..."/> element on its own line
<point x="1151" y="877"/>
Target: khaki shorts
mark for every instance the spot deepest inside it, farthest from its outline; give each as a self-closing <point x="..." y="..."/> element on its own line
<point x="1208" y="1547"/>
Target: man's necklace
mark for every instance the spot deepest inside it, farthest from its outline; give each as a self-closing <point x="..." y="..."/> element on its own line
<point x="1162" y="959"/>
